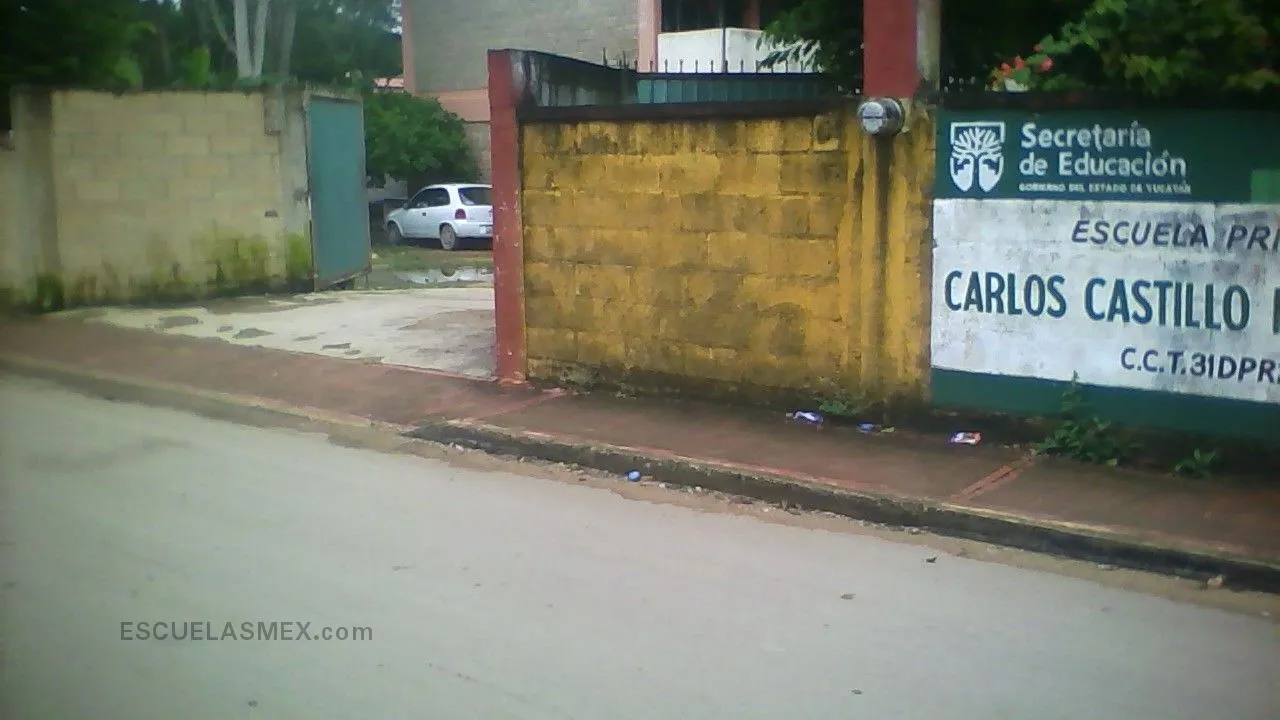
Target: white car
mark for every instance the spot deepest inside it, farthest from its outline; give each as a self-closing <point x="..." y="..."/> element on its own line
<point x="447" y="213"/>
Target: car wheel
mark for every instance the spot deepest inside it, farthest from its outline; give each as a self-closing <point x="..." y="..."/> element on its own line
<point x="394" y="236"/>
<point x="448" y="238"/>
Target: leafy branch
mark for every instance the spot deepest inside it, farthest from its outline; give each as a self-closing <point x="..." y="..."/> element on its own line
<point x="1158" y="48"/>
<point x="414" y="139"/>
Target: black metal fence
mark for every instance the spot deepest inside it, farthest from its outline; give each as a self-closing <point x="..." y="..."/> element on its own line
<point x="557" y="81"/>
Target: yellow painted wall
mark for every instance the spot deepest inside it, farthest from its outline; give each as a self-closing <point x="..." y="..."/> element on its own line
<point x="764" y="255"/>
<point x="165" y="191"/>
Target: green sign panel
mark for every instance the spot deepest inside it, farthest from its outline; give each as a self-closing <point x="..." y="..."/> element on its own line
<point x="1153" y="155"/>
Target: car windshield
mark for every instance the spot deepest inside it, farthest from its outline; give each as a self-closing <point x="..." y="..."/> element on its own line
<point x="475" y="195"/>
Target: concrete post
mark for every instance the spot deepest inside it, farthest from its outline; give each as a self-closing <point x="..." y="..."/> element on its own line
<point x="407" y="36"/>
<point x="649" y="23"/>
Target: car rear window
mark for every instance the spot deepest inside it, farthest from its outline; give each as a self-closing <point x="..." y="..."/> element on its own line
<point x="474" y="195"/>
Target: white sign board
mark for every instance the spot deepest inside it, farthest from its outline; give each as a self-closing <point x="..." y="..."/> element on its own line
<point x="1170" y="297"/>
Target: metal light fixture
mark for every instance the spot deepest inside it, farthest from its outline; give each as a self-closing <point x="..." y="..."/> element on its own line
<point x="881" y="116"/>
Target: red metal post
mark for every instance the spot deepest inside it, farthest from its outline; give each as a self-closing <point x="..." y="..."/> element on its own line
<point x="899" y="46"/>
<point x="508" y="226"/>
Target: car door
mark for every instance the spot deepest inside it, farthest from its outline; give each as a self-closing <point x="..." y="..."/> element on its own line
<point x="413" y="222"/>
<point x="437" y="212"/>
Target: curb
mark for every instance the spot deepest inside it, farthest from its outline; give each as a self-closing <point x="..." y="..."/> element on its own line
<point x="1076" y="542"/>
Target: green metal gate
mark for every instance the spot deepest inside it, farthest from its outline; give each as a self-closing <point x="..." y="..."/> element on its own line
<point x="340" y="242"/>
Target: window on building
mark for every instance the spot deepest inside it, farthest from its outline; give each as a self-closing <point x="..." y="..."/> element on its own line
<point x="684" y="15"/>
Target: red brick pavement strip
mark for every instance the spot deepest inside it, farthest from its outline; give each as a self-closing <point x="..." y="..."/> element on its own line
<point x="989" y="493"/>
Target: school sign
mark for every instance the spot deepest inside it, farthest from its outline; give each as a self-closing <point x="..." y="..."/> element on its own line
<point x="1139" y="251"/>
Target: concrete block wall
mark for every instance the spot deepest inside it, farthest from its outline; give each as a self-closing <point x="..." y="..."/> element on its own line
<point x="766" y="254"/>
<point x="28" y="228"/>
<point x="478" y="140"/>
<point x="168" y="192"/>
<point x="17" y="262"/>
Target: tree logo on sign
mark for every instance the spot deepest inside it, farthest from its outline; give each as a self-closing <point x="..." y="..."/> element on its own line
<point x="977" y="154"/>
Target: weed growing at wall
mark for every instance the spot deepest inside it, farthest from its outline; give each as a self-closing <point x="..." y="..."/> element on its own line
<point x="167" y="284"/>
<point x="841" y="407"/>
<point x="1199" y="464"/>
<point x="577" y="377"/>
<point x="50" y="296"/>
<point x="84" y="291"/>
<point x="1079" y="435"/>
<point x="234" y="264"/>
<point x="298" y="270"/>
<point x="240" y="263"/>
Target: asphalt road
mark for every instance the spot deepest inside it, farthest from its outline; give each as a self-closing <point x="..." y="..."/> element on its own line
<point x="492" y="595"/>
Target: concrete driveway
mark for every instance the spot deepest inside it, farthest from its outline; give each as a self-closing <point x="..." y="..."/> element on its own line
<point x="449" y="329"/>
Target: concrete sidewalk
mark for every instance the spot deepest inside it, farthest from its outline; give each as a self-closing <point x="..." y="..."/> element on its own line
<point x="448" y="329"/>
<point x="1163" y="524"/>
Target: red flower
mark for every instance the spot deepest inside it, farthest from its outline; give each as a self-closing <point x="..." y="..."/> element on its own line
<point x="1047" y="65"/>
<point x="1004" y="68"/>
<point x="1019" y="62"/>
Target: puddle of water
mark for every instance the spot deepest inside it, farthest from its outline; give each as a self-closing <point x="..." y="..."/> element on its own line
<point x="435" y="277"/>
<point x="176" y="321"/>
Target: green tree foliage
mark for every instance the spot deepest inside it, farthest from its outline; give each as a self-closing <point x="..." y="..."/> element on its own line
<point x="58" y="43"/>
<point x="165" y="43"/>
<point x="1154" y="47"/>
<point x="181" y="50"/>
<point x="414" y="139"/>
<point x="1159" y="48"/>
<point x="827" y="33"/>
<point x="335" y="38"/>
<point x="66" y="42"/>
<point x="979" y="36"/>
